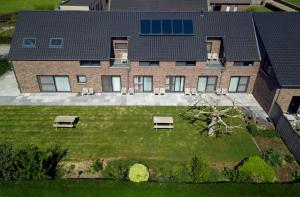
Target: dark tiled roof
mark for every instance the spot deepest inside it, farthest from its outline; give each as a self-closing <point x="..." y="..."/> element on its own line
<point x="158" y="5"/>
<point x="87" y="36"/>
<point x="280" y="33"/>
<point x="78" y="2"/>
<point x="230" y="1"/>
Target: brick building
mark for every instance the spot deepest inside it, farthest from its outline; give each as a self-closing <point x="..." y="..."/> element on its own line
<point x="279" y="77"/>
<point x="67" y="51"/>
<point x="142" y="51"/>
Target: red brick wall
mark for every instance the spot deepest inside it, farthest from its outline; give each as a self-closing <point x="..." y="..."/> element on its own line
<point x="26" y="72"/>
<point x="285" y="97"/>
<point x="265" y="89"/>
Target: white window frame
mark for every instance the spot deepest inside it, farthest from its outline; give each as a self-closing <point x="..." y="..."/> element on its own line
<point x="79" y="80"/>
<point x="29" y="46"/>
<point x="56" y="46"/>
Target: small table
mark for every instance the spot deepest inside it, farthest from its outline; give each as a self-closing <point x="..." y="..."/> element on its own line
<point x="160" y="122"/>
<point x="65" y="121"/>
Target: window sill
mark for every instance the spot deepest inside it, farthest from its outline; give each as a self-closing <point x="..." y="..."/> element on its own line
<point x="215" y="67"/>
<point x="81" y="83"/>
<point x="148" y="66"/>
<point x="186" y="66"/>
<point x="90" y="66"/>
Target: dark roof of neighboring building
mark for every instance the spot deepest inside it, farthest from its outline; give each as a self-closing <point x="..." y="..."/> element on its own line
<point x="158" y="5"/>
<point x="280" y="33"/>
<point x="78" y="2"/>
<point x="87" y="36"/>
<point x="230" y="1"/>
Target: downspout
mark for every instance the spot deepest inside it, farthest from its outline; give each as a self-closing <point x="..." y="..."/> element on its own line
<point x="128" y="75"/>
<point x="221" y="76"/>
<point x="13" y="69"/>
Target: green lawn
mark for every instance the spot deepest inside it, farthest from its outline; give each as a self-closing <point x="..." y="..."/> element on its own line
<point x="296" y="2"/>
<point x="126" y="132"/>
<point x="258" y="8"/>
<point x="9" y="6"/>
<point x="90" y="188"/>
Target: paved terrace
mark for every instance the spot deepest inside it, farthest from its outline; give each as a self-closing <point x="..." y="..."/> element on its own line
<point x="10" y="95"/>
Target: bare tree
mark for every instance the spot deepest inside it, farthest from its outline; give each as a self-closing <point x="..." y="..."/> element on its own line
<point x="219" y="120"/>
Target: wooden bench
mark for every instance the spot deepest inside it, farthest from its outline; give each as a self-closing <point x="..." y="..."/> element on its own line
<point x="65" y="121"/>
<point x="163" y="122"/>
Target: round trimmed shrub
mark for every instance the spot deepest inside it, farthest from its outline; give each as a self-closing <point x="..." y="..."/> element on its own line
<point x="255" y="169"/>
<point x="138" y="173"/>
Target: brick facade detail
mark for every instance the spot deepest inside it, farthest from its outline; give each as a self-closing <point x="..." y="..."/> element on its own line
<point x="267" y="91"/>
<point x="27" y="71"/>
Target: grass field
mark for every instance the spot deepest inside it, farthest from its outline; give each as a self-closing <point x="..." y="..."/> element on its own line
<point x="296" y="2"/>
<point x="90" y="188"/>
<point x="125" y="132"/>
<point x="9" y="6"/>
<point x="258" y="8"/>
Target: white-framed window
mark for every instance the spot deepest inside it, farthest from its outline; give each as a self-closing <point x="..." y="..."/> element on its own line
<point x="111" y="83"/>
<point x="207" y="83"/>
<point x="175" y="83"/>
<point x="238" y="84"/>
<point x="143" y="83"/>
<point x="29" y="42"/>
<point x="56" y="42"/>
<point x="81" y="79"/>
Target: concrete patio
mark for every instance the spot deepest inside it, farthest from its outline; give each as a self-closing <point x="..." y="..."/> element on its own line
<point x="10" y="95"/>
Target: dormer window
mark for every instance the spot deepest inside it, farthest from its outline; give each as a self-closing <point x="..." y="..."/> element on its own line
<point x="56" y="42"/>
<point x="215" y="52"/>
<point x="119" y="52"/>
<point x="29" y="42"/>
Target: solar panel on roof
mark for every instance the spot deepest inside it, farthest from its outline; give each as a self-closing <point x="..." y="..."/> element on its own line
<point x="177" y="27"/>
<point x="187" y="26"/>
<point x="156" y="26"/>
<point x="167" y="27"/>
<point x="145" y="27"/>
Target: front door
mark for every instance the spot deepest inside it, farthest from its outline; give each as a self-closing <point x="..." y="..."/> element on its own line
<point x="294" y="106"/>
